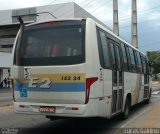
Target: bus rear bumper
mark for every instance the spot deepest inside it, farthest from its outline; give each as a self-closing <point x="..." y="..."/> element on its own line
<point x="64" y="110"/>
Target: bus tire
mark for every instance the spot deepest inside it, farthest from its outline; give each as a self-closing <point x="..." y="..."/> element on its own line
<point x="51" y="118"/>
<point x="147" y="101"/>
<point x="125" y="113"/>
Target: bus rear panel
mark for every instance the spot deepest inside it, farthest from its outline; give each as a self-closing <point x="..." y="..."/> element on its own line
<point x="49" y="71"/>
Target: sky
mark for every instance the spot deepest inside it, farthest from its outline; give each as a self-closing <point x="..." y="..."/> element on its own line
<point x="148" y="17"/>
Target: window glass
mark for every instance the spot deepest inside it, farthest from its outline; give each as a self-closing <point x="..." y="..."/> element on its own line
<point x="139" y="63"/>
<point x="112" y="53"/>
<point x="53" y="44"/>
<point x="136" y="60"/>
<point x="118" y="61"/>
<point x="125" y="65"/>
<point x="144" y="64"/>
<point x="117" y="57"/>
<point x="147" y="66"/>
<point x="128" y="58"/>
<point x="105" y="49"/>
<point x="133" y="65"/>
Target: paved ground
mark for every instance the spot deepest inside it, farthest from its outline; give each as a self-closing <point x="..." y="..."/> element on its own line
<point x="156" y="85"/>
<point x="141" y="116"/>
<point x="5" y="97"/>
<point x="147" y="117"/>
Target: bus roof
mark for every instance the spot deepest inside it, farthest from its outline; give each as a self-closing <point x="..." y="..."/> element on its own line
<point x="64" y="19"/>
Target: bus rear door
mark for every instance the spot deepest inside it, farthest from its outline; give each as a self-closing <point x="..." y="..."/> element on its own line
<point x="117" y="78"/>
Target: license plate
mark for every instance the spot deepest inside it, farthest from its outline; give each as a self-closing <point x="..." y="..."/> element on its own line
<point x="47" y="109"/>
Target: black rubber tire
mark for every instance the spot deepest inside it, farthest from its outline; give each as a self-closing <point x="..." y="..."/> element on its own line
<point x="51" y="118"/>
<point x="147" y="101"/>
<point x="125" y="113"/>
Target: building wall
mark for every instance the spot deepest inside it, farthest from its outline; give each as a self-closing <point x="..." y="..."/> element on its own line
<point x="7" y="37"/>
<point x="65" y="10"/>
<point x="5" y="17"/>
<point x="9" y="24"/>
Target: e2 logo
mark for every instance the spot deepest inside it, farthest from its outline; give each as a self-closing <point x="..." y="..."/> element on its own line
<point x="45" y="83"/>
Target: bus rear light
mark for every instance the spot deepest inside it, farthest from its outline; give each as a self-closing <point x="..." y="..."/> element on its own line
<point x="89" y="82"/>
<point x="21" y="106"/>
<point x="12" y="81"/>
<point x="74" y="108"/>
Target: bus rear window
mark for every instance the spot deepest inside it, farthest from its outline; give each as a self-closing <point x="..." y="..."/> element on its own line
<point x="52" y="44"/>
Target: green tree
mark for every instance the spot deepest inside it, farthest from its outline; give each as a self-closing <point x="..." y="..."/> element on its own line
<point x="153" y="55"/>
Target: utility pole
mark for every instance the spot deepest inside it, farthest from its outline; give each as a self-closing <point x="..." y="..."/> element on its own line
<point x="115" y="17"/>
<point x="134" y="35"/>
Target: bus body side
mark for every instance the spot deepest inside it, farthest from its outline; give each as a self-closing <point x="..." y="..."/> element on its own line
<point x="126" y="74"/>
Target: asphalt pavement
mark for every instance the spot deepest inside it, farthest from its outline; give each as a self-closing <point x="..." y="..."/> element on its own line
<point x="5" y="97"/>
<point x="141" y="116"/>
<point x="156" y="85"/>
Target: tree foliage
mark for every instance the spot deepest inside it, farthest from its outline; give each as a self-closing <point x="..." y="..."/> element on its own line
<point x="153" y="55"/>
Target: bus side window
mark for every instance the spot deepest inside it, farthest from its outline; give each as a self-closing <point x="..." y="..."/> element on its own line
<point x="105" y="49"/>
<point x="139" y="63"/>
<point x="147" y="65"/>
<point x="112" y="53"/>
<point x="128" y="58"/>
<point x="144" y="64"/>
<point x="113" y="59"/>
<point x="143" y="67"/>
<point x="136" y="61"/>
<point x="133" y="64"/>
<point x="118" y="60"/>
<point x="124" y="55"/>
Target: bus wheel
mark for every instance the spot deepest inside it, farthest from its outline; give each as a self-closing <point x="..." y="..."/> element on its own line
<point x="51" y="118"/>
<point x="126" y="111"/>
<point x="147" y="101"/>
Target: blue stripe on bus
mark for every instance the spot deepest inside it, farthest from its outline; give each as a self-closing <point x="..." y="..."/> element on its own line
<point x="55" y="87"/>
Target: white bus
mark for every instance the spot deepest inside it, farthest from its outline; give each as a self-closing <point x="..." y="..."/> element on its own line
<point x="77" y="68"/>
